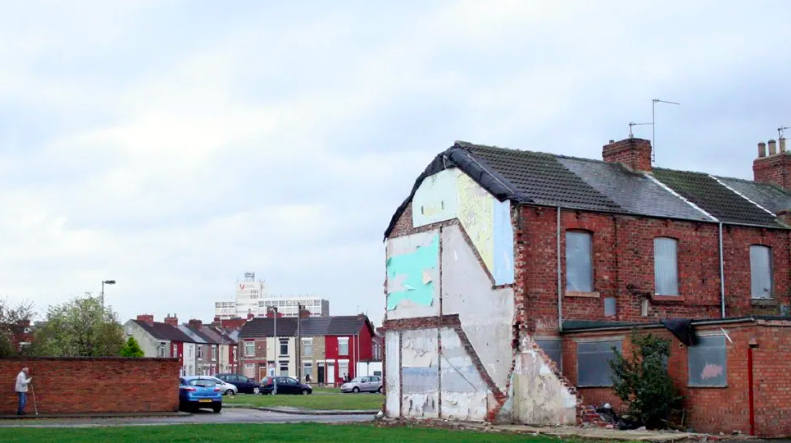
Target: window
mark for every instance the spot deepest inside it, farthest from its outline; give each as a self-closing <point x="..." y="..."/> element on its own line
<point x="283" y="346"/>
<point x="666" y="266"/>
<point x="284" y="368"/>
<point x="175" y="350"/>
<point x="343" y="345"/>
<point x="307" y="347"/>
<point x="761" y="271"/>
<point x="249" y="348"/>
<point x="579" y="262"/>
<point x="307" y="369"/>
<point x="708" y="362"/>
<point x="161" y="351"/>
<point x="233" y="353"/>
<point x="593" y="362"/>
<point x="214" y="353"/>
<point x="553" y="350"/>
<point x="200" y="352"/>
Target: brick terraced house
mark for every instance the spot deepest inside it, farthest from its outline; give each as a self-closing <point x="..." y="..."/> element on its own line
<point x="512" y="274"/>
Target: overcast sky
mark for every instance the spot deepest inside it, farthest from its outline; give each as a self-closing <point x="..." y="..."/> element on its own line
<point x="174" y="145"/>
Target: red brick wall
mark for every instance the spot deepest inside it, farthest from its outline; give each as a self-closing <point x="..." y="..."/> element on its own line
<point x="774" y="169"/>
<point x="624" y="267"/>
<point x="97" y="385"/>
<point x="634" y="153"/>
<point x="719" y="409"/>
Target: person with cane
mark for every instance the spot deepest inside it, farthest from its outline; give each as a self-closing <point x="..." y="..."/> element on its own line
<point x="22" y="380"/>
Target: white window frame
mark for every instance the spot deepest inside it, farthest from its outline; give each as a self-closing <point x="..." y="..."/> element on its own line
<point x="307" y="347"/>
<point x="200" y="352"/>
<point x="759" y="277"/>
<point x="343" y="341"/>
<point x="666" y="266"/>
<point x="579" y="280"/>
<point x="248" y="346"/>
<point x="214" y="353"/>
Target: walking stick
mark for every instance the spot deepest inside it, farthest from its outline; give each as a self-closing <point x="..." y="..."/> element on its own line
<point x="33" y="391"/>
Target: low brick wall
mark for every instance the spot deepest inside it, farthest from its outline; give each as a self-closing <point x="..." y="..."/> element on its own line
<point x="719" y="409"/>
<point x="93" y="385"/>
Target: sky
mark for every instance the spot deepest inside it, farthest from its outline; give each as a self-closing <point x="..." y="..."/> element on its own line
<point x="173" y="145"/>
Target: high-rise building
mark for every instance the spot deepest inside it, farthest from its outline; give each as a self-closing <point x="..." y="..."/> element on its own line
<point x="251" y="298"/>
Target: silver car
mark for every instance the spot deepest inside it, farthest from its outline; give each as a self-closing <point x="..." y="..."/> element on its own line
<point x="225" y="388"/>
<point x="369" y="383"/>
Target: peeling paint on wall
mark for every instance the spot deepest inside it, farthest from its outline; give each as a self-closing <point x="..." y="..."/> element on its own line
<point x="539" y="396"/>
<point x="464" y="392"/>
<point x="412" y="274"/>
<point x="420" y="380"/>
<point x="452" y="194"/>
<point x="392" y="374"/>
<point x="485" y="313"/>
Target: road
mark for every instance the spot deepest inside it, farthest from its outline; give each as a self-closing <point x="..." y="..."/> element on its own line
<point x="228" y="415"/>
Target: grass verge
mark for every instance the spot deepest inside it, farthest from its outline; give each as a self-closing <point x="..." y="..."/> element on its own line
<point x="221" y="433"/>
<point x="345" y="402"/>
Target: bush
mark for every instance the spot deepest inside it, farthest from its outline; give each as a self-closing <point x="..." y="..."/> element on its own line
<point x="131" y="349"/>
<point x="643" y="382"/>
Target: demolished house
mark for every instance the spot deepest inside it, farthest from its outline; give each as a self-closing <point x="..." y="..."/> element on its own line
<point x="512" y="274"/>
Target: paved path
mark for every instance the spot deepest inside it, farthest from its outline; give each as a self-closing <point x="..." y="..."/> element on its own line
<point x="235" y="415"/>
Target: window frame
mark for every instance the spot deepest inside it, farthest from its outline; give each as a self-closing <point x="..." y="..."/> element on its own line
<point x="576" y="286"/>
<point x="674" y="292"/>
<point x="697" y="347"/>
<point x="247" y="349"/>
<point x="770" y="272"/>
<point x="283" y="342"/>
<point x="309" y="347"/>
<point x="618" y="341"/>
<point x="345" y="341"/>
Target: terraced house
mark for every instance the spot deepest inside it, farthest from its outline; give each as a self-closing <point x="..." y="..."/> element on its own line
<point x="512" y="274"/>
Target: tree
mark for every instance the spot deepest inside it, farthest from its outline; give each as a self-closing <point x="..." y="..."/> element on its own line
<point x="79" y="328"/>
<point x="132" y="349"/>
<point x="643" y="382"/>
<point x="10" y="316"/>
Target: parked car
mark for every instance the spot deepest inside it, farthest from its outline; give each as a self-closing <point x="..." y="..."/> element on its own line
<point x="244" y="385"/>
<point x="370" y="383"/>
<point x="199" y="392"/>
<point x="285" y="385"/>
<point x="225" y="388"/>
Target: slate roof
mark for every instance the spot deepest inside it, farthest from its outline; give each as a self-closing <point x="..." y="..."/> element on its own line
<point x="529" y="177"/>
<point x="164" y="331"/>
<point x="309" y="327"/>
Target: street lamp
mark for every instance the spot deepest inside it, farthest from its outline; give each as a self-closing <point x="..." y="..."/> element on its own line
<point x="105" y="282"/>
<point x="274" y="345"/>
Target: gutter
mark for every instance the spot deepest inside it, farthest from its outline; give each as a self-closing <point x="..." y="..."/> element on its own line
<point x="715" y="321"/>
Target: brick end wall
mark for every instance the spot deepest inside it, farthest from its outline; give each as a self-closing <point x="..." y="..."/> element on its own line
<point x="94" y="385"/>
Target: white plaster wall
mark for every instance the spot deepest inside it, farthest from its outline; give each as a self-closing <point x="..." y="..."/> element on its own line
<point x="419" y="372"/>
<point x="464" y="393"/>
<point x="392" y="374"/>
<point x="486" y="315"/>
<point x="539" y="396"/>
<point x="400" y="246"/>
<point x="436" y="199"/>
<point x="148" y="344"/>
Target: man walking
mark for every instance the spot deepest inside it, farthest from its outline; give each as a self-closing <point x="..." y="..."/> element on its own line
<point x="22" y="380"/>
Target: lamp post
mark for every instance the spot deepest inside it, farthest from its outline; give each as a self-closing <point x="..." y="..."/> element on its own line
<point x="105" y="282"/>
<point x="275" y="345"/>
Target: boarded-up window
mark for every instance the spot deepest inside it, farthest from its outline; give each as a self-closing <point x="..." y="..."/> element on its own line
<point x="579" y="263"/>
<point x="708" y="362"/>
<point x="666" y="266"/>
<point x="593" y="362"/>
<point x="553" y="350"/>
<point x="761" y="271"/>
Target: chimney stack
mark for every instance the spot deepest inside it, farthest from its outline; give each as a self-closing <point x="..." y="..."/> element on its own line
<point x="634" y="153"/>
<point x="195" y="323"/>
<point x="772" y="166"/>
<point x="250" y="316"/>
<point x="148" y="318"/>
<point x="172" y="320"/>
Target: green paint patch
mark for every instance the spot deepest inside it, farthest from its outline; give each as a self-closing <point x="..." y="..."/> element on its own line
<point x="414" y="270"/>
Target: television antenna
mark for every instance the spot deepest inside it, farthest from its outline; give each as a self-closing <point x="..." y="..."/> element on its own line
<point x="653" y="124"/>
<point x="780" y="131"/>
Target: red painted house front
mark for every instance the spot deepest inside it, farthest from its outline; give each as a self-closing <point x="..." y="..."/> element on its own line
<point x="342" y="352"/>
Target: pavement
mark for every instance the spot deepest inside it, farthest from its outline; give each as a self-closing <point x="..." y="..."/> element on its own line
<point x="227" y="416"/>
<point x="301" y="411"/>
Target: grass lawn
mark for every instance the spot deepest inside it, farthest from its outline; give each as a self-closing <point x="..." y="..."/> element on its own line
<point x="217" y="433"/>
<point x="314" y="401"/>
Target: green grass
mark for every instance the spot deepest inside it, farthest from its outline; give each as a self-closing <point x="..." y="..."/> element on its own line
<point x="220" y="433"/>
<point x="343" y="402"/>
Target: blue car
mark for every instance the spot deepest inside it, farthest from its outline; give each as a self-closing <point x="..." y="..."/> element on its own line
<point x="199" y="392"/>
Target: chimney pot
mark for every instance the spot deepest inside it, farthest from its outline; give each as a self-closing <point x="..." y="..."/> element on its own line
<point x="782" y="145"/>
<point x="772" y="147"/>
<point x="761" y="149"/>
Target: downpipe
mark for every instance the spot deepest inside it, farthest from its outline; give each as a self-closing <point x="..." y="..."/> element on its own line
<point x="560" y="277"/>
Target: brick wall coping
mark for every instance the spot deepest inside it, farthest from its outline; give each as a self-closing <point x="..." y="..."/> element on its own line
<point x="87" y="359"/>
<point x="700" y="322"/>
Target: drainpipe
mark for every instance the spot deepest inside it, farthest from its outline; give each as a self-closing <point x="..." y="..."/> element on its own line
<point x="722" y="277"/>
<point x="560" y="279"/>
<point x="750" y="385"/>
